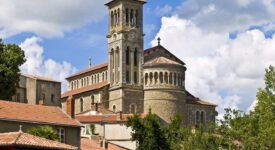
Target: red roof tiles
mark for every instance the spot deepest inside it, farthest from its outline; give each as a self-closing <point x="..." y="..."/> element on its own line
<point x="26" y="140"/>
<point x="89" y="70"/>
<point x="85" y="89"/>
<point x="35" y="114"/>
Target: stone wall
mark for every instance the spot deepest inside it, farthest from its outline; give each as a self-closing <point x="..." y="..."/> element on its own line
<point x="207" y="111"/>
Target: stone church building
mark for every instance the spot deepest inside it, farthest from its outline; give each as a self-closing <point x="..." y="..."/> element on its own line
<point x="135" y="80"/>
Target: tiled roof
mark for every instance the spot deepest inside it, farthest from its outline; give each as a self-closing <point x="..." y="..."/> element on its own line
<point x="40" y="78"/>
<point x="110" y="118"/>
<point x="191" y="99"/>
<point x="162" y="60"/>
<point x="157" y="48"/>
<point x="20" y="112"/>
<point x="85" y="89"/>
<point x="89" y="70"/>
<point x="93" y="144"/>
<point x="26" y="140"/>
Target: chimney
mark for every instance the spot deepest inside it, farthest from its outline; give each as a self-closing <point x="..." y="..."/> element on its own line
<point x="70" y="107"/>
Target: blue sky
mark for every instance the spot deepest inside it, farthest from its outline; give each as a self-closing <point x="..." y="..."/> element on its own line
<point x="226" y="45"/>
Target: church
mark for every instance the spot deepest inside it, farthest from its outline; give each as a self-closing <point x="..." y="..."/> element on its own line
<point x="135" y="80"/>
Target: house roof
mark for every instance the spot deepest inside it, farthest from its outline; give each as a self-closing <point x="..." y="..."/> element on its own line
<point x="40" y="78"/>
<point x="93" y="144"/>
<point x="49" y="115"/>
<point x="162" y="60"/>
<point x="105" y="118"/>
<point x="85" y="89"/>
<point x="191" y="99"/>
<point x="26" y="140"/>
<point x="94" y="68"/>
<point x="159" y="48"/>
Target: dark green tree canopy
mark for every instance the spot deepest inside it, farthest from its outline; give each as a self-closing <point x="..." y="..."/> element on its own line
<point x="11" y="58"/>
<point x="46" y="132"/>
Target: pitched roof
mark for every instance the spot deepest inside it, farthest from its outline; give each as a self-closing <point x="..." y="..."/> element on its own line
<point x="85" y="89"/>
<point x="21" y="112"/>
<point x="149" y="51"/>
<point x="96" y="67"/>
<point x="105" y="118"/>
<point x="26" y="140"/>
<point x="93" y="144"/>
<point x="40" y="78"/>
<point x="162" y="60"/>
<point x="191" y="99"/>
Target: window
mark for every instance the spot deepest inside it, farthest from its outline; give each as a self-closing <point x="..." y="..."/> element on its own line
<point x="135" y="78"/>
<point x="127" y="16"/>
<point x="136" y="17"/>
<point x="114" y="108"/>
<point x="81" y="105"/>
<point x="197" y="117"/>
<point x="202" y="117"/>
<point x="133" y="108"/>
<point x="127" y="77"/>
<point x="112" y="18"/>
<point x="161" y="77"/>
<point x="61" y="134"/>
<point x="127" y="56"/>
<point x="103" y="77"/>
<point x="132" y="17"/>
<point x="93" y="99"/>
<point x="136" y="57"/>
<point x="52" y="97"/>
<point x="118" y="16"/>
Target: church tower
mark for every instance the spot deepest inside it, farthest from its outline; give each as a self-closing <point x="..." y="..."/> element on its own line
<point x="125" y="52"/>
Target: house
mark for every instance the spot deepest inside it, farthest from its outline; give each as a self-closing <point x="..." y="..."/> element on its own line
<point x="13" y="115"/>
<point x="23" y="141"/>
<point x="38" y="90"/>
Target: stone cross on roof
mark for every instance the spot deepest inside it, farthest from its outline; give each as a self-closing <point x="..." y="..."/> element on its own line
<point x="158" y="41"/>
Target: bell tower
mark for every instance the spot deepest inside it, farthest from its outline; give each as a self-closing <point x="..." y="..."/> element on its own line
<point x="125" y="52"/>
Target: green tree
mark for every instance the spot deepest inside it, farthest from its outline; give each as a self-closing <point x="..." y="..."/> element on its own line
<point x="46" y="132"/>
<point x="11" y="58"/>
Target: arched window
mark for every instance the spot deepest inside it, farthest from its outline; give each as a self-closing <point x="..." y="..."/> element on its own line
<point x="115" y="18"/>
<point x="166" y="78"/>
<point x="146" y="78"/>
<point x="112" y="18"/>
<point x="170" y="78"/>
<point x="103" y="76"/>
<point x="72" y="85"/>
<point x="127" y="16"/>
<point x="97" y="78"/>
<point x="133" y="108"/>
<point x="127" y="56"/>
<point x="179" y="80"/>
<point x="127" y="77"/>
<point x="93" y="100"/>
<point x="156" y="77"/>
<point x="202" y="117"/>
<point x="161" y="77"/>
<point x="81" y="82"/>
<point x="118" y="16"/>
<point x="117" y="56"/>
<point x="151" y="77"/>
<point x="92" y="79"/>
<point x="135" y="77"/>
<point x="136" y="57"/>
<point x="132" y="17"/>
<point x="81" y="105"/>
<point x="175" y="79"/>
<point x="136" y="17"/>
<point x="197" y="117"/>
<point x="88" y="81"/>
<point x="114" y="108"/>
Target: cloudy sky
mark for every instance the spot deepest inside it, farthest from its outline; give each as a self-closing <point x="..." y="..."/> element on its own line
<point x="226" y="44"/>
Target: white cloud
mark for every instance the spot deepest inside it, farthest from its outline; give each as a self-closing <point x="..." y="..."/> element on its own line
<point x="37" y="65"/>
<point x="50" y="18"/>
<point x="225" y="71"/>
<point x="227" y="15"/>
<point x="161" y="11"/>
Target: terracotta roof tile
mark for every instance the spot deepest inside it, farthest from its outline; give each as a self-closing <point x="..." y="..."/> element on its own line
<point x="26" y="140"/>
<point x="89" y="70"/>
<point x="162" y="60"/>
<point x="40" y="78"/>
<point x="85" y="89"/>
<point x="35" y="113"/>
<point x="90" y="144"/>
<point x="191" y="99"/>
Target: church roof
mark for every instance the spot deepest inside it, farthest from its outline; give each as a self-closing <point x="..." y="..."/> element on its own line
<point x="48" y="115"/>
<point x="162" y="60"/>
<point x="112" y="1"/>
<point x="40" y="78"/>
<point x="85" y="89"/>
<point x="160" y="49"/>
<point x="93" y="68"/>
<point x="191" y="99"/>
<point x="26" y="140"/>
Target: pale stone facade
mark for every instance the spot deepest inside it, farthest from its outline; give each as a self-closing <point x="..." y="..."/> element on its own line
<point x="134" y="80"/>
<point x="38" y="90"/>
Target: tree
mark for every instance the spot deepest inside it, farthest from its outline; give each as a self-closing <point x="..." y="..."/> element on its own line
<point x="11" y="58"/>
<point x="46" y="132"/>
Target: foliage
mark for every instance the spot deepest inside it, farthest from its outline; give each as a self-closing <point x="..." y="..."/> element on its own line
<point x="45" y="132"/>
<point x="237" y="130"/>
<point x="11" y="57"/>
